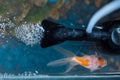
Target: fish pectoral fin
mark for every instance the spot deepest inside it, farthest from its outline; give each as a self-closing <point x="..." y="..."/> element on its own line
<point x="92" y="70"/>
<point x="70" y="66"/>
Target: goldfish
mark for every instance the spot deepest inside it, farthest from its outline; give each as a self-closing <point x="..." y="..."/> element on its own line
<point x="91" y="62"/>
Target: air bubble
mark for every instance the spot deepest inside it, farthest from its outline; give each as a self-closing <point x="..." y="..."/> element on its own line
<point x="30" y="34"/>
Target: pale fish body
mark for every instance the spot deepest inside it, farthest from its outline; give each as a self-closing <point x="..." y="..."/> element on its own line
<point x="91" y="62"/>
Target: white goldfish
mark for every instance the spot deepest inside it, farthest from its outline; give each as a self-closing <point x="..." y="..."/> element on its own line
<point x="91" y="62"/>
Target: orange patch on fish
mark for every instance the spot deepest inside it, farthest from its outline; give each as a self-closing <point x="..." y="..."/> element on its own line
<point x="82" y="61"/>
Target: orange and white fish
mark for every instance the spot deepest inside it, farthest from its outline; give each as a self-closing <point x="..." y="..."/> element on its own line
<point x="91" y="62"/>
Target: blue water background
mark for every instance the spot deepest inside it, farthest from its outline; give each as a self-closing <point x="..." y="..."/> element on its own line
<point x="17" y="58"/>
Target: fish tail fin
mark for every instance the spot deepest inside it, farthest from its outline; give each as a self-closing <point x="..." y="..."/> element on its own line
<point x="66" y="61"/>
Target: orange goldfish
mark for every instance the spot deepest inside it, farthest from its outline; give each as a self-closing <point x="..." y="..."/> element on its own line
<point x="91" y="62"/>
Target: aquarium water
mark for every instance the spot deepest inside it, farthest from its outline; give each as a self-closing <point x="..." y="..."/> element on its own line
<point x="22" y="58"/>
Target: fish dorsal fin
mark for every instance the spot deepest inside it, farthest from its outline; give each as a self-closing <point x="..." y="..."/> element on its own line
<point x="79" y="52"/>
<point x="96" y="53"/>
<point x="64" y="51"/>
